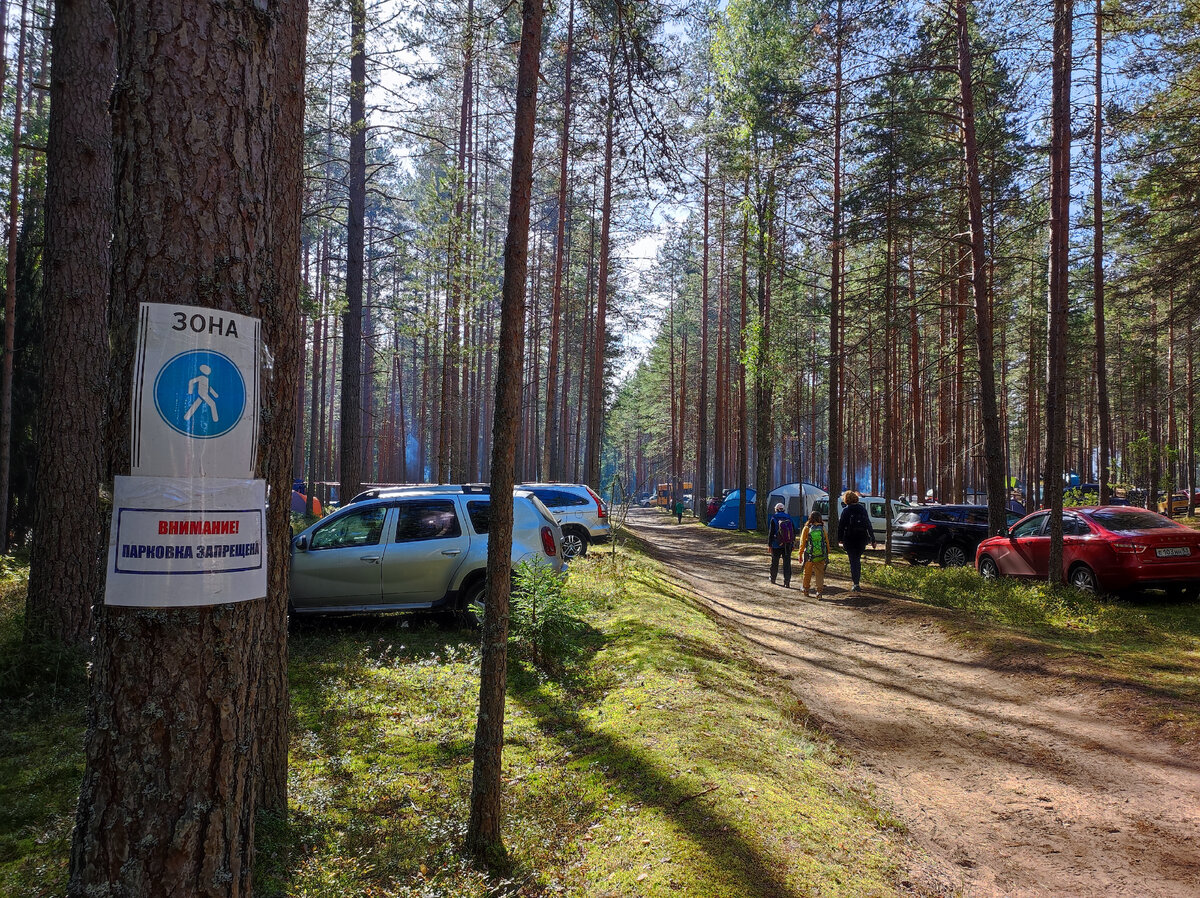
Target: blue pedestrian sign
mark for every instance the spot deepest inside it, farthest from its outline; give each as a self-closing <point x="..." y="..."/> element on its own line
<point x="195" y="408"/>
<point x="200" y="394"/>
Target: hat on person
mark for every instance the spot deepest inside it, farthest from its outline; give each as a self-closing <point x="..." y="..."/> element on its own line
<point x="779" y="506"/>
<point x="849" y="497"/>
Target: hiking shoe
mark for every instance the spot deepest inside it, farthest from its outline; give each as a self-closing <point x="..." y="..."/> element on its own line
<point x="808" y="592"/>
<point x="818" y="595"/>
<point x="855" y="588"/>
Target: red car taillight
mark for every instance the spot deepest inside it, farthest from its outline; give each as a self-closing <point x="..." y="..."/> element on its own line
<point x="601" y="511"/>
<point x="548" y="545"/>
<point x="1128" y="548"/>
<point x="920" y="527"/>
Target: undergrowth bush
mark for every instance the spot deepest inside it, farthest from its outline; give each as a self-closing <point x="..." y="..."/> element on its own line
<point x="546" y="619"/>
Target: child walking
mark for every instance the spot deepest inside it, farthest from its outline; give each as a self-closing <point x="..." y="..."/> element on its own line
<point x="814" y="549"/>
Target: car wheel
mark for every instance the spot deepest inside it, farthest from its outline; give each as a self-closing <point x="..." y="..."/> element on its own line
<point x="987" y="568"/>
<point x="1084" y="579"/>
<point x="470" y="612"/>
<point x="574" y="544"/>
<point x="954" y="555"/>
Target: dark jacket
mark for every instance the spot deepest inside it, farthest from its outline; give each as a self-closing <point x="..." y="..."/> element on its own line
<point x="854" y="526"/>
<point x="773" y="531"/>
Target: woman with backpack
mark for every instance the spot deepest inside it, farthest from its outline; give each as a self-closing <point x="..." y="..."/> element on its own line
<point x="854" y="528"/>
<point x="781" y="536"/>
<point x="814" y="549"/>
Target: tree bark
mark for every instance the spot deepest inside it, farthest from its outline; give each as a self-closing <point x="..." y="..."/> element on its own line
<point x="63" y="580"/>
<point x="600" y="340"/>
<point x="1105" y="408"/>
<point x="10" y="292"/>
<point x="700" y="487"/>
<point x="551" y="457"/>
<point x="350" y="469"/>
<point x="989" y="410"/>
<point x="173" y="743"/>
<point x="833" y="485"/>
<point x="1057" y="294"/>
<point x="484" y="840"/>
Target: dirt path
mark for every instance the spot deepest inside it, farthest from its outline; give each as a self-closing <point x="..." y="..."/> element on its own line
<point x="1014" y="784"/>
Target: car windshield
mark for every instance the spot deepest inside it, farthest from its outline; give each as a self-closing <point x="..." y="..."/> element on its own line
<point x="1132" y="520"/>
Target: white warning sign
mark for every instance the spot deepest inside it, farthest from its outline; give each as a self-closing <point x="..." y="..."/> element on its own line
<point x="182" y="542"/>
<point x="195" y="408"/>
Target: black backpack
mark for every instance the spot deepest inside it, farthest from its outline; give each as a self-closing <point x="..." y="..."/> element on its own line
<point x="859" y="524"/>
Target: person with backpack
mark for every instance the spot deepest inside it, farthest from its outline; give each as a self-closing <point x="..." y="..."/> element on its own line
<point x="855" y="530"/>
<point x="814" y="549"/>
<point x="781" y="537"/>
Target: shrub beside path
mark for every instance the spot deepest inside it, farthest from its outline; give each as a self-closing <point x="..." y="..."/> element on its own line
<point x="1015" y="782"/>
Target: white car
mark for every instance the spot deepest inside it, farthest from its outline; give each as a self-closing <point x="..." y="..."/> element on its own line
<point x="580" y="512"/>
<point x="413" y="549"/>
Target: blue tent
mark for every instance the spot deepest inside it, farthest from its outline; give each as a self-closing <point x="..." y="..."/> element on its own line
<point x="727" y="515"/>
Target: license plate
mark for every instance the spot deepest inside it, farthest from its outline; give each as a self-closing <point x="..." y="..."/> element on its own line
<point x="1173" y="552"/>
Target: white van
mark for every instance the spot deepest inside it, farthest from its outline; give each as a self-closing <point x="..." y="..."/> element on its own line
<point x="875" y="511"/>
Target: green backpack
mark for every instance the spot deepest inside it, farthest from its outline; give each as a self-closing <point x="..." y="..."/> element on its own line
<point x="817" y="548"/>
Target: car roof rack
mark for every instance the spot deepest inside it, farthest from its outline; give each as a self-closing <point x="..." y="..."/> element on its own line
<point x="481" y="489"/>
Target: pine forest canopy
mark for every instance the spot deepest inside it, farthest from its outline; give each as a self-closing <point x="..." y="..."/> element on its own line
<point x="751" y="244"/>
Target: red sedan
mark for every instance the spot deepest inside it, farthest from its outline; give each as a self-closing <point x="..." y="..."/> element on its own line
<point x="1110" y="548"/>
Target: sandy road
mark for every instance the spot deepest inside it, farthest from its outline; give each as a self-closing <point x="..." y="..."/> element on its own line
<point x="1014" y="783"/>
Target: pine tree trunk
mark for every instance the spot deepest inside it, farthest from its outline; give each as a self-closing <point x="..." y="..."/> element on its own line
<point x="484" y="840"/>
<point x="600" y="331"/>
<point x="65" y="564"/>
<point x="1105" y="409"/>
<point x="743" y="428"/>
<point x="173" y="744"/>
<point x="1058" y="298"/>
<point x="700" y="487"/>
<point x="551" y="466"/>
<point x="350" y="470"/>
<point x="835" y="290"/>
<point x="10" y="292"/>
<point x="993" y="437"/>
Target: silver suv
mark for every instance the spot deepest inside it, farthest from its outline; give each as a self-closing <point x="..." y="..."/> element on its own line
<point x="580" y="512"/>
<point x="413" y="548"/>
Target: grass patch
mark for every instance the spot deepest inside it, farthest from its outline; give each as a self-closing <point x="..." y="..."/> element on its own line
<point x="652" y="758"/>
<point x="42" y="696"/>
<point x="666" y="763"/>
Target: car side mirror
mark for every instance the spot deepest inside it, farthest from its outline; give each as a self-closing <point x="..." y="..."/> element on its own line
<point x="1003" y="531"/>
<point x="300" y="544"/>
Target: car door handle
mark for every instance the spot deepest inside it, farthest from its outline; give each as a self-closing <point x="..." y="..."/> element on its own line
<point x="372" y="559"/>
<point x="451" y="552"/>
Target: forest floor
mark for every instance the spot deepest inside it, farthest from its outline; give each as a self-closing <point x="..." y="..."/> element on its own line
<point x="1016" y="774"/>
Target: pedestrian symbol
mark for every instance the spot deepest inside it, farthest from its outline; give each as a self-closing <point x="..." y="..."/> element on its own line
<point x="200" y="394"/>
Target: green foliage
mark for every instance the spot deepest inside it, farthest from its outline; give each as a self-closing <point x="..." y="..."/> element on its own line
<point x="546" y="620"/>
<point x="666" y="758"/>
<point x="302" y="521"/>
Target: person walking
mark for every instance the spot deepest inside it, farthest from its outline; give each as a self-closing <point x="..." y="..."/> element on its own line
<point x="854" y="527"/>
<point x="814" y="550"/>
<point x="781" y="537"/>
<point x="679" y="510"/>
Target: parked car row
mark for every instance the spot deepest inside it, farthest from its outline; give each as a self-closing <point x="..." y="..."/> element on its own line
<point x="425" y="547"/>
